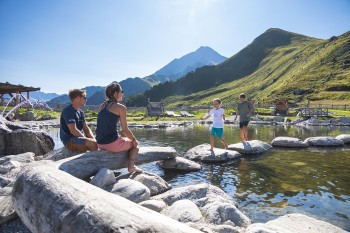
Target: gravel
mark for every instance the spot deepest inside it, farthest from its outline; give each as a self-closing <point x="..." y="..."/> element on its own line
<point x="15" y="226"/>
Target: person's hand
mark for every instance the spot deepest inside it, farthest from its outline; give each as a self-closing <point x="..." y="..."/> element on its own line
<point x="249" y="114"/>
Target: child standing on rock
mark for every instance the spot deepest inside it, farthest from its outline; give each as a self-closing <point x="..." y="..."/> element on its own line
<point x="217" y="129"/>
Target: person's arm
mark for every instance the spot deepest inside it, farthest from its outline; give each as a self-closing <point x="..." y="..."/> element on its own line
<point x="204" y="118"/>
<point x="237" y="113"/>
<point x="73" y="130"/>
<point x="124" y="125"/>
<point x="251" y="109"/>
<point x="87" y="131"/>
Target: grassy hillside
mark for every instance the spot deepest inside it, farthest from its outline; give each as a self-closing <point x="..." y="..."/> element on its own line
<point x="276" y="65"/>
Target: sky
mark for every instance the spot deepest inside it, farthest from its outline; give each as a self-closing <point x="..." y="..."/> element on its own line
<point x="59" y="45"/>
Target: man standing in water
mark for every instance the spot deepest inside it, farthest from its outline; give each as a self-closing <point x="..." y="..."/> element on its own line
<point x="244" y="110"/>
<point x="75" y="134"/>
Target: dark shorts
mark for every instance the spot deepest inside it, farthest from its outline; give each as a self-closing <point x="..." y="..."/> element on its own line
<point x="77" y="144"/>
<point x="243" y="123"/>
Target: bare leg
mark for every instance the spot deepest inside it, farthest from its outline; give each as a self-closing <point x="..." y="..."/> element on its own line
<point x="91" y="144"/>
<point x="132" y="157"/>
<point x="224" y="142"/>
<point x="242" y="134"/>
<point x="211" y="142"/>
<point x="245" y="133"/>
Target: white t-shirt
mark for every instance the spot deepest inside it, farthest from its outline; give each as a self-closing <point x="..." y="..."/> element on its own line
<point x="218" y="121"/>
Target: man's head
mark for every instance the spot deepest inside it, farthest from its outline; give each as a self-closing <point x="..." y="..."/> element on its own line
<point x="216" y="103"/>
<point x="242" y="97"/>
<point x="78" y="97"/>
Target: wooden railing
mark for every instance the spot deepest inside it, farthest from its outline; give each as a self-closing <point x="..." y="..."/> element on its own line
<point x="309" y="112"/>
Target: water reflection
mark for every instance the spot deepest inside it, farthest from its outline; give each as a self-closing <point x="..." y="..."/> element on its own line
<point x="312" y="181"/>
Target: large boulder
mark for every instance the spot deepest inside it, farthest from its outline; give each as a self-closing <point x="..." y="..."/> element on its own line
<point x="344" y="120"/>
<point x="59" y="154"/>
<point x="103" y="178"/>
<point x="250" y="147"/>
<point x="131" y="190"/>
<point x="25" y="140"/>
<point x="184" y="211"/>
<point x="288" y="142"/>
<point x="7" y="212"/>
<point x="324" y="141"/>
<point x="202" y="153"/>
<point x="153" y="182"/>
<point x="179" y="164"/>
<point x="27" y="116"/>
<point x="22" y="158"/>
<point x="154" y="205"/>
<point x="294" y="223"/>
<point x="344" y="137"/>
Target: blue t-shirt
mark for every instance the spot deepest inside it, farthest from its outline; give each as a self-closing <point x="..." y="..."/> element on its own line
<point x="70" y="116"/>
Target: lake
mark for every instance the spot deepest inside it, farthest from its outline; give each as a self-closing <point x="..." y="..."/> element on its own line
<point x="314" y="181"/>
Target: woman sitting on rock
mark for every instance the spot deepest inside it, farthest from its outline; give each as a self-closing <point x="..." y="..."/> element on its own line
<point x="107" y="136"/>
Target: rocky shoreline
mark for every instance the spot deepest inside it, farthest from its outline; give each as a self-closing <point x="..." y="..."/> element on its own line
<point x="201" y="208"/>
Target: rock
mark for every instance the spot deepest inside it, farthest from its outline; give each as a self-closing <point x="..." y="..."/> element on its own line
<point x="25" y="140"/>
<point x="8" y="166"/>
<point x="344" y="137"/>
<point x="27" y="116"/>
<point x="324" y="141"/>
<point x="59" y="154"/>
<point x="46" y="117"/>
<point x="184" y="211"/>
<point x="201" y="194"/>
<point x="103" y="178"/>
<point x="294" y="223"/>
<point x="50" y="200"/>
<point x="225" y="213"/>
<point x="344" y="120"/>
<point x="153" y="182"/>
<point x="179" y="164"/>
<point x="131" y="190"/>
<point x="288" y="142"/>
<point x="7" y="212"/>
<point x="202" y="153"/>
<point x="22" y="158"/>
<point x="5" y="181"/>
<point x="227" y="229"/>
<point x="250" y="147"/>
<point x="278" y="119"/>
<point x="155" y="205"/>
<point x="88" y="164"/>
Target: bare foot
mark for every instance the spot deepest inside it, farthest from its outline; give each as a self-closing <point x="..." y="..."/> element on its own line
<point x="132" y="169"/>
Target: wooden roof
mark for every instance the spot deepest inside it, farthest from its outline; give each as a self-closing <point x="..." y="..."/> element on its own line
<point x="7" y="88"/>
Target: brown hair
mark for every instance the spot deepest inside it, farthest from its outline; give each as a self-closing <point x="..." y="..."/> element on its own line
<point x="112" y="88"/>
<point x="218" y="100"/>
<point x="74" y="93"/>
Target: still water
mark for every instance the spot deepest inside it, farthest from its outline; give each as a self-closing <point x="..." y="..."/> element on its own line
<point x="313" y="181"/>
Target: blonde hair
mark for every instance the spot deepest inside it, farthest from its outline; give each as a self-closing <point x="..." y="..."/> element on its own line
<point x="218" y="100"/>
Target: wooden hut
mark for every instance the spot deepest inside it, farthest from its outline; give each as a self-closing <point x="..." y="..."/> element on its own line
<point x="280" y="108"/>
<point x="155" y="108"/>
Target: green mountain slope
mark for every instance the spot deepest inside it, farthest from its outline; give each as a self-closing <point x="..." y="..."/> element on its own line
<point x="276" y="65"/>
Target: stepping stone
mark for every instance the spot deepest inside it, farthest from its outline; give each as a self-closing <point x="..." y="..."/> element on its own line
<point x="250" y="147"/>
<point x="324" y="141"/>
<point x="288" y="142"/>
<point x="202" y="153"/>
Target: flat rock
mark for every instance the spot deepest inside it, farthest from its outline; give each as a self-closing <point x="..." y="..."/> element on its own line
<point x="225" y="213"/>
<point x="344" y="137"/>
<point x="202" y="153"/>
<point x="8" y="166"/>
<point x="289" y="142"/>
<point x="104" y="177"/>
<point x="154" y="205"/>
<point x="59" y="154"/>
<point x="179" y="164"/>
<point x="131" y="190"/>
<point x="7" y="211"/>
<point x="154" y="183"/>
<point x="324" y="141"/>
<point x="184" y="211"/>
<point x="250" y="147"/>
<point x="200" y="194"/>
<point x="294" y="223"/>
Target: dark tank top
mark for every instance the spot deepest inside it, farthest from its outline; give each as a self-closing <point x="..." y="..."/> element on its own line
<point x="106" y="131"/>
